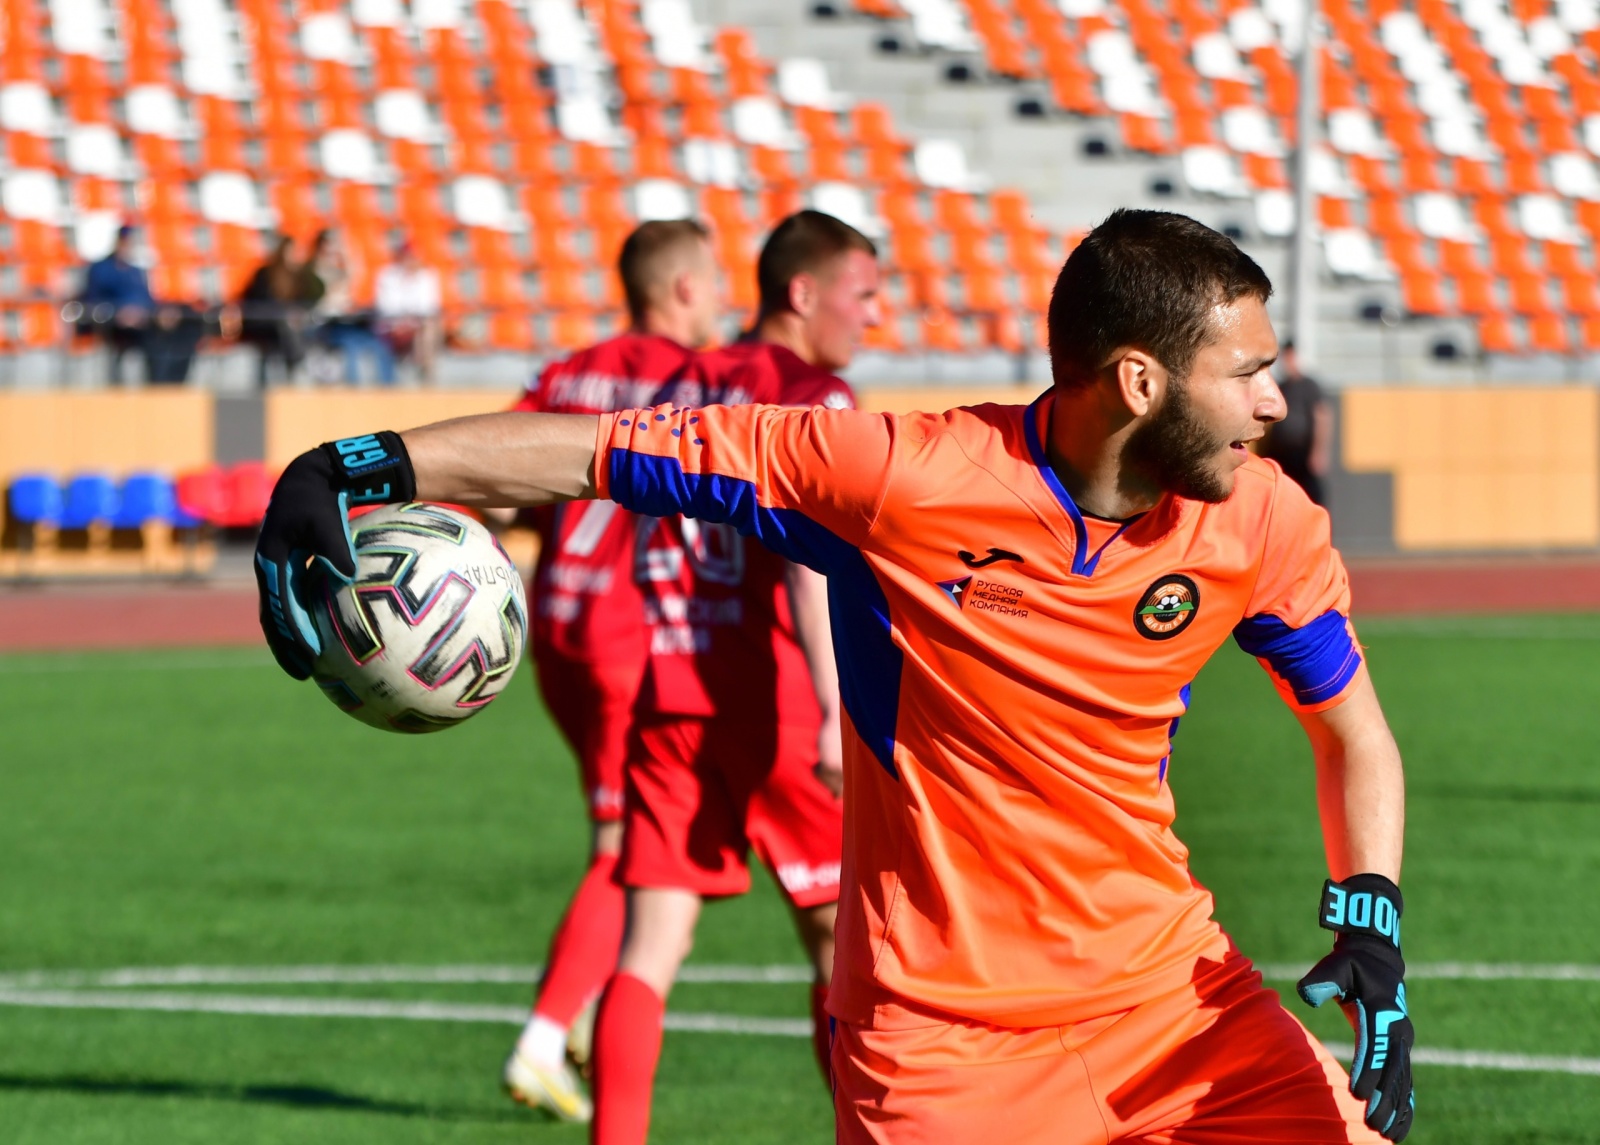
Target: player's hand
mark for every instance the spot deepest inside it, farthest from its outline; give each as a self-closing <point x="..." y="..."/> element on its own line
<point x="1366" y="975"/>
<point x="830" y="755"/>
<point x="307" y="520"/>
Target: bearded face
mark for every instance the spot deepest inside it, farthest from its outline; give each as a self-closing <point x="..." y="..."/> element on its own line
<point x="1182" y="454"/>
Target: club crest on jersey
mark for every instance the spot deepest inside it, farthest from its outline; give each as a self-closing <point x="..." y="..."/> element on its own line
<point x="1167" y="607"/>
<point x="956" y="590"/>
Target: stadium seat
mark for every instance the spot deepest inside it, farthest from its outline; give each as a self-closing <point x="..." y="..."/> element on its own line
<point x="90" y="499"/>
<point x="1547" y="333"/>
<point x="201" y="498"/>
<point x="1496" y="335"/>
<point x="246" y="489"/>
<point x="145" y="498"/>
<point x="1423" y="101"/>
<point x="36" y="498"/>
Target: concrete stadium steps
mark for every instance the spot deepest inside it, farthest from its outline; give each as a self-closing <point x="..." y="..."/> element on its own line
<point x="1068" y="188"/>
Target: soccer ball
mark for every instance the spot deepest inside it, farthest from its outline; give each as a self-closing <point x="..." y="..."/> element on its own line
<point x="432" y="627"/>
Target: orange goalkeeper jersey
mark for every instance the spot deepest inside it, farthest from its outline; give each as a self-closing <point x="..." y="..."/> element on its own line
<point x="1011" y="692"/>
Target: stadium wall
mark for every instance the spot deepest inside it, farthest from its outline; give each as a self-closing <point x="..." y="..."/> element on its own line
<point x="1420" y="470"/>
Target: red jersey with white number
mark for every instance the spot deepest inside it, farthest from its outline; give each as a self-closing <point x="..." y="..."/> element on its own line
<point x="722" y="637"/>
<point x="587" y="606"/>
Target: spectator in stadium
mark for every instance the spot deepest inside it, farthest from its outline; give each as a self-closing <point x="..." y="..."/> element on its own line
<point x="323" y="287"/>
<point x="118" y="305"/>
<point x="408" y="307"/>
<point x="272" y="317"/>
<point x="1302" y="443"/>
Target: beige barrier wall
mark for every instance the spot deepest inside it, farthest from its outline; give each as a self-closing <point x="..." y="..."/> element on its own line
<point x="1482" y="468"/>
<point x="116" y="432"/>
<point x="298" y="420"/>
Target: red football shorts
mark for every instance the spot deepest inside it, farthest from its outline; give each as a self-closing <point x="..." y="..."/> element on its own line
<point x="592" y="704"/>
<point x="703" y="793"/>
<point x="1220" y="1062"/>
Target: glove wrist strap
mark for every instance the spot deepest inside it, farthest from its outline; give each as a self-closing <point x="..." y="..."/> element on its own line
<point x="1362" y="904"/>
<point x="374" y="469"/>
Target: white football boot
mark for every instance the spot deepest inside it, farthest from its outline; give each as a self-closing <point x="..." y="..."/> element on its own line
<point x="554" y="1088"/>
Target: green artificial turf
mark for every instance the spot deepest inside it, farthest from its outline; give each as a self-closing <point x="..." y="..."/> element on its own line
<point x="197" y="808"/>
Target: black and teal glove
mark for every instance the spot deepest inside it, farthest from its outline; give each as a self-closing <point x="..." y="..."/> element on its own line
<point x="1366" y="974"/>
<point x="307" y="520"/>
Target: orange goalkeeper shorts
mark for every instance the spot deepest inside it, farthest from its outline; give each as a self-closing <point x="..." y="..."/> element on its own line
<point x="1220" y="1062"/>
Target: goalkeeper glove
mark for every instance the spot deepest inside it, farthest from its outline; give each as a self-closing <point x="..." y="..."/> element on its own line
<point x="1366" y="973"/>
<point x="307" y="519"/>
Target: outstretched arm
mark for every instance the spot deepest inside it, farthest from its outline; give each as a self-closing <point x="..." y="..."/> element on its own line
<point x="504" y="459"/>
<point x="1360" y="784"/>
<point x="1361" y="794"/>
<point x="801" y="481"/>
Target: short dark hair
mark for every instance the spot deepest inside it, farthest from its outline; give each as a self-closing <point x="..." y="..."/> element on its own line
<point x="647" y="254"/>
<point x="801" y="244"/>
<point x="1147" y="279"/>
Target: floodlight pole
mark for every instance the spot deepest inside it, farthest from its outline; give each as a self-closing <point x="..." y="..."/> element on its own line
<point x="1304" y="258"/>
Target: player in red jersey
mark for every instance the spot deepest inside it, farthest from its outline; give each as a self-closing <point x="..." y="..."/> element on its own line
<point x="742" y="738"/>
<point x="589" y="641"/>
<point x="1021" y="597"/>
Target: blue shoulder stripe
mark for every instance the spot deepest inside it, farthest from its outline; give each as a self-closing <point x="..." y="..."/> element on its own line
<point x="1316" y="661"/>
<point x="870" y="664"/>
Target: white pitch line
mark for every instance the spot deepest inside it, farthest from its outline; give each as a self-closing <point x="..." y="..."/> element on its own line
<point x="279" y="1007"/>
<point x="332" y="975"/>
<point x="707" y="973"/>
<point x="368" y="1008"/>
<point x="1487" y="1059"/>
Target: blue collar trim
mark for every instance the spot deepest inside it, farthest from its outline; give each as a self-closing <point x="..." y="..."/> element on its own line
<point x="1083" y="561"/>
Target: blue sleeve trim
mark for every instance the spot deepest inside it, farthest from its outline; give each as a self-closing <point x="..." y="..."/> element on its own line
<point x="870" y="664"/>
<point x="1317" y="661"/>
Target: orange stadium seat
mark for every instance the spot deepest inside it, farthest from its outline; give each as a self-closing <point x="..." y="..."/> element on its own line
<point x="1547" y="333"/>
<point x="1496" y="335"/>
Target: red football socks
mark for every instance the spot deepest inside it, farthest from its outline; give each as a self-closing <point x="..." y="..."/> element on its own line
<point x="821" y="1033"/>
<point x="584" y="951"/>
<point x="627" y="1045"/>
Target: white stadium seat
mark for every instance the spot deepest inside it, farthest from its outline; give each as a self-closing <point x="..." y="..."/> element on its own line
<point x="231" y="197"/>
<point x="848" y="202"/>
<point x="1212" y="171"/>
<point x="711" y="162"/>
<point x="661" y="199"/>
<point x="1275" y="213"/>
<point x="942" y="163"/>
<point x="96" y="149"/>
<point x="26" y="107"/>
<point x="1439" y="216"/>
<point x="479" y="201"/>
<point x="402" y="113"/>
<point x="349" y="154"/>
<point x="803" y="82"/>
<point x="32" y="195"/>
<point x="759" y="120"/>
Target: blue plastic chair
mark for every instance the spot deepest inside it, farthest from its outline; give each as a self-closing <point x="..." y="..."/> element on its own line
<point x="146" y="497"/>
<point x="91" y="498"/>
<point x="36" y="499"/>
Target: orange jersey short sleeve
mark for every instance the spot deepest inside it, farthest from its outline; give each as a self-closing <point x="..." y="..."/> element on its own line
<point x="1297" y="622"/>
<point x="1012" y="681"/>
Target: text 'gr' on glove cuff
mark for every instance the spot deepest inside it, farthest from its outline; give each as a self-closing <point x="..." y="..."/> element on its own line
<point x="373" y="469"/>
